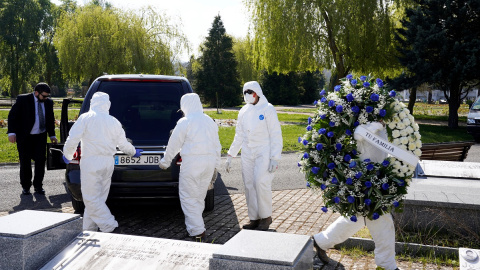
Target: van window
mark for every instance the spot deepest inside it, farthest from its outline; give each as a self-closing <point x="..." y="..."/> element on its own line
<point x="147" y="110"/>
<point x="476" y="105"/>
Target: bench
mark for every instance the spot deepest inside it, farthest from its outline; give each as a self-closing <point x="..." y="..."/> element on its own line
<point x="448" y="151"/>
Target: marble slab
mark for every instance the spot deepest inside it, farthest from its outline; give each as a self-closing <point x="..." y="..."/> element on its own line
<point x="469" y="259"/>
<point x="28" y="239"/>
<point x="96" y="250"/>
<point x="453" y="169"/>
<point x="264" y="250"/>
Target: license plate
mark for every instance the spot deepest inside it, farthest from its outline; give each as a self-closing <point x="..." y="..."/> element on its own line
<point x="142" y="160"/>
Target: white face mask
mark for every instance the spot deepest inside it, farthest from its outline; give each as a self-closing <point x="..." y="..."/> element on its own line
<point x="249" y="98"/>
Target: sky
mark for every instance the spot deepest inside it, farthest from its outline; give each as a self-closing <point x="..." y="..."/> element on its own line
<point x="196" y="16"/>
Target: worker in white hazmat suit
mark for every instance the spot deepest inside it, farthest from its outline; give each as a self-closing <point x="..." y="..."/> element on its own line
<point x="259" y="135"/>
<point x="196" y="138"/>
<point x="381" y="229"/>
<point x="99" y="134"/>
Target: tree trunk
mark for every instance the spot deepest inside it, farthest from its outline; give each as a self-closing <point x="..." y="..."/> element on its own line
<point x="453" y="105"/>
<point x="340" y="70"/>
<point x="413" y="97"/>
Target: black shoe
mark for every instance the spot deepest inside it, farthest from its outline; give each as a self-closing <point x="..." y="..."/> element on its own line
<point x="321" y="254"/>
<point x="26" y="192"/>
<point x="264" y="224"/>
<point x="40" y="191"/>
<point x="200" y="238"/>
<point x="117" y="230"/>
<point x="251" y="225"/>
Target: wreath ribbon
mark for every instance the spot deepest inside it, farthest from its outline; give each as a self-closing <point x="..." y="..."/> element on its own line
<point x="386" y="146"/>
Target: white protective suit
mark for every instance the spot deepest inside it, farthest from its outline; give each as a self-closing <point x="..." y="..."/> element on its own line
<point x="99" y="134"/>
<point x="196" y="138"/>
<point x="259" y="135"/>
<point x="382" y="229"/>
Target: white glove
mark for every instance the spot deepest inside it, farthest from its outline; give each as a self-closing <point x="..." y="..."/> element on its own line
<point x="163" y="164"/>
<point x="228" y="164"/>
<point x="273" y="166"/>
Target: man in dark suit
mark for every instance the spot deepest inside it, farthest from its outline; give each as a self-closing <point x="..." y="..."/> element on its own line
<point x="29" y="121"/>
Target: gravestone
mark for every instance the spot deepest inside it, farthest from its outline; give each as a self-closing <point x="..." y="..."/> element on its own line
<point x="96" y="250"/>
<point x="28" y="239"/>
<point x="452" y="169"/>
<point x="469" y="259"/>
<point x="261" y="250"/>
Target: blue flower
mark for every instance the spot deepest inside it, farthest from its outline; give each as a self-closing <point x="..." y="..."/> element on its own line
<point x="374" y="97"/>
<point x="375" y="216"/>
<point x="350" y="97"/>
<point x="369" y="109"/>
<point x="356" y="123"/>
<point x="322" y="131"/>
<point x="299" y="139"/>
<point x="339" y="108"/>
<point x="309" y="127"/>
<point x="337" y="88"/>
<point x="298" y="164"/>
<point x="347" y="158"/>
<point x="323" y="92"/>
<point x="402" y="183"/>
<point x="349" y="181"/>
<point x="331" y="103"/>
<point x="315" y="170"/>
<point x="305" y="142"/>
<point x="352" y="164"/>
<point x="332" y="124"/>
<point x="354" y="152"/>
<point x="358" y="175"/>
<point x="353" y="219"/>
<point x="379" y="82"/>
<point x="363" y="78"/>
<point x="350" y="199"/>
<point x="396" y="204"/>
<point x="349" y="76"/>
<point x="306" y="155"/>
<point x="392" y="93"/>
<point x="385" y="186"/>
<point x="385" y="163"/>
<point x="366" y="160"/>
<point x="368" y="202"/>
<point x="323" y="116"/>
<point x="324" y="209"/>
<point x="370" y="167"/>
<point x="308" y="184"/>
<point x="382" y="113"/>
<point x="366" y="84"/>
<point x="348" y="132"/>
<point x="368" y="184"/>
<point x="331" y="166"/>
<point x="334" y="180"/>
<point x="338" y="146"/>
<point x="330" y="134"/>
<point x="323" y="99"/>
<point x="323" y="187"/>
<point x="353" y="82"/>
<point x="336" y="200"/>
<point x="315" y="102"/>
<point x="309" y="120"/>
<point x="319" y="146"/>
<point x="355" y="109"/>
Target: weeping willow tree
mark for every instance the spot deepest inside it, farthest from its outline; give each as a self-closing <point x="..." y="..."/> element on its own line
<point x="341" y="35"/>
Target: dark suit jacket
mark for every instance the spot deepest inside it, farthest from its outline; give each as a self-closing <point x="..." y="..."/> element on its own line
<point x="22" y="117"/>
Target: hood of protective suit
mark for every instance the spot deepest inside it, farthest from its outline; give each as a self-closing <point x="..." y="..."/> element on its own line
<point x="100" y="102"/>
<point x="255" y="86"/>
<point x="191" y="104"/>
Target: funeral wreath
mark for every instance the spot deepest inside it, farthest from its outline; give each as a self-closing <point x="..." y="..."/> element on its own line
<point x="330" y="158"/>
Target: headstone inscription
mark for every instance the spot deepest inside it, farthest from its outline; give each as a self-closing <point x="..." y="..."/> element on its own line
<point x="117" y="251"/>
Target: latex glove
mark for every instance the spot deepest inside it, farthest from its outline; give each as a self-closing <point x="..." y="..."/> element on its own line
<point x="273" y="166"/>
<point x="138" y="152"/>
<point x="163" y="164"/>
<point x="228" y="164"/>
<point x="65" y="160"/>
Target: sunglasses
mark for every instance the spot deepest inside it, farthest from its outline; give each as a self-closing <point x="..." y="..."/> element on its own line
<point x="47" y="96"/>
<point x="248" y="92"/>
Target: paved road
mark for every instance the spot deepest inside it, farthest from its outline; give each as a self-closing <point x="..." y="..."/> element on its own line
<point x="287" y="177"/>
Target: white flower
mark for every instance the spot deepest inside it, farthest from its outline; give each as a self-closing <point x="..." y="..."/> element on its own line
<point x="392" y="125"/>
<point x="412" y="146"/>
<point x="396" y="133"/>
<point x="418" y="143"/>
<point x="404" y="140"/>
<point x="417" y="152"/>
<point x="400" y="125"/>
<point x="415" y="127"/>
<point x="396" y="141"/>
<point x="406" y="121"/>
